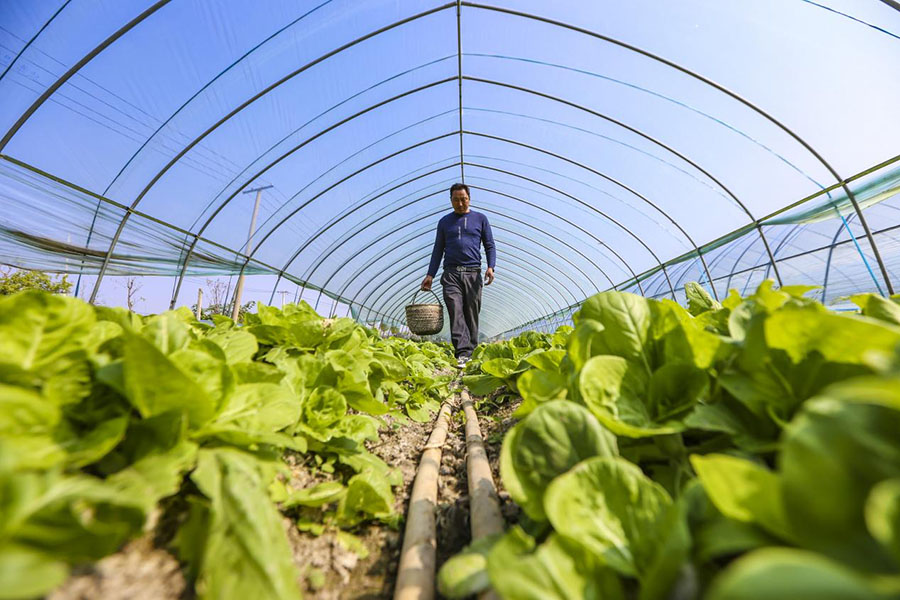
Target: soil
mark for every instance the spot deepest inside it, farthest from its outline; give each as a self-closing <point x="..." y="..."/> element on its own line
<point x="333" y="565"/>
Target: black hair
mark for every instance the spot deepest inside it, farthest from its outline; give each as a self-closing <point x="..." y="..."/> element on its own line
<point x="460" y="186"/>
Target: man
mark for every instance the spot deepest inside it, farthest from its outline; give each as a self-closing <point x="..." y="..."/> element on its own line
<point x="460" y="235"/>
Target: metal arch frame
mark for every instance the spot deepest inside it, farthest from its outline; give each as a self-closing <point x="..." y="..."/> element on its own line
<point x="418" y="253"/>
<point x="246" y="103"/>
<point x="547" y="298"/>
<point x="639" y="133"/>
<point x="567" y="222"/>
<point x="409" y="274"/>
<point x="498" y="227"/>
<point x="613" y="181"/>
<point x="414" y="236"/>
<point x="365" y="301"/>
<point x="588" y="206"/>
<point x="830" y="252"/>
<point x="270" y="165"/>
<point x="75" y="68"/>
<point x="34" y="37"/>
<point x="886" y="277"/>
<point x="344" y="238"/>
<point x="307" y="202"/>
<point x="308" y="274"/>
<point x="510" y="86"/>
<point x="556" y="282"/>
<point x="462" y="169"/>
<point x="590" y="111"/>
<point x="730" y="93"/>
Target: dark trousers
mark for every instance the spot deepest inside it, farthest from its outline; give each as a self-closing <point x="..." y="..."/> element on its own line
<point x="462" y="295"/>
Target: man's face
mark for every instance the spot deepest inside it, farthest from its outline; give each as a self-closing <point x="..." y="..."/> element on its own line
<point x="460" y="201"/>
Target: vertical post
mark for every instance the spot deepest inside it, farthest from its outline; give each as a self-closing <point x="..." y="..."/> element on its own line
<point x="199" y="303"/>
<point x="239" y="289"/>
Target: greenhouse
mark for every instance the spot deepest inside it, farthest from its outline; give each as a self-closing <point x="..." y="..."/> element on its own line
<point x="685" y="363"/>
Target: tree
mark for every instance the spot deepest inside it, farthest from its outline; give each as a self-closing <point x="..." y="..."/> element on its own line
<point x="217" y="292"/>
<point x="15" y="280"/>
<point x="223" y="309"/>
<point x="132" y="287"/>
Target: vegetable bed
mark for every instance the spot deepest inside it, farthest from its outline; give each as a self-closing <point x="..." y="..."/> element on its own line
<point x="748" y="449"/>
<point x="113" y="425"/>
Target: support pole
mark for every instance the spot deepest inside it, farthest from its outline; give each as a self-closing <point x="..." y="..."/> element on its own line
<point x="199" y="303"/>
<point x="239" y="290"/>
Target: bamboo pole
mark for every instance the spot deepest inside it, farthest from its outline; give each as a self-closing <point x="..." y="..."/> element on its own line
<point x="199" y="303"/>
<point x="484" y="502"/>
<point x="415" y="576"/>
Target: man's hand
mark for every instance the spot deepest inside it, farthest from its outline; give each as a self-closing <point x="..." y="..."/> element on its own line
<point x="426" y="283"/>
<point x="489" y="276"/>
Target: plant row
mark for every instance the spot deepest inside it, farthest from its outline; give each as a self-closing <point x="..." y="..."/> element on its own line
<point x="108" y="421"/>
<point x="748" y="449"/>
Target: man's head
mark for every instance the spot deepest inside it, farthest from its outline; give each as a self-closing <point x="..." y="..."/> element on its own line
<point x="459" y="198"/>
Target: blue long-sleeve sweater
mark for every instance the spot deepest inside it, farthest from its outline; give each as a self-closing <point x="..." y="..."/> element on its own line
<point x="459" y="239"/>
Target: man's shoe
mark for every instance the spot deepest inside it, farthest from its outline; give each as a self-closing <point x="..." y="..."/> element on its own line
<point x="461" y="362"/>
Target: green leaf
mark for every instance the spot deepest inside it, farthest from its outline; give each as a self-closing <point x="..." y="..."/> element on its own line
<point x="317" y="495"/>
<point x="211" y="374"/>
<point x="626" y="319"/>
<point x="584" y="342"/>
<point x="608" y="506"/>
<point x="733" y="300"/>
<point x="800" y="330"/>
<point x="615" y="391"/>
<point x="555" y="570"/>
<point x="878" y="307"/>
<point x="675" y="389"/>
<point x="465" y="574"/>
<point x="699" y="300"/>
<point x="546" y="360"/>
<point x="482" y="385"/>
<point x="537" y="387"/>
<point x="744" y="491"/>
<point x="789" y="574"/>
<point x="246" y="553"/>
<point x="87" y="447"/>
<point x="501" y="367"/>
<point x="36" y="328"/>
<point x="237" y="344"/>
<point x="548" y="442"/>
<point x="26" y="573"/>
<point x="167" y="332"/>
<point x="360" y="398"/>
<point x="368" y="494"/>
<point x="882" y="512"/>
<point x="834" y="452"/>
<point x="324" y="407"/>
<point x="154" y="385"/>
<point x="267" y="407"/>
<point x="24" y="411"/>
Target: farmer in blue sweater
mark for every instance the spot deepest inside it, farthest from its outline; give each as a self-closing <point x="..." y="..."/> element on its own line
<point x="460" y="235"/>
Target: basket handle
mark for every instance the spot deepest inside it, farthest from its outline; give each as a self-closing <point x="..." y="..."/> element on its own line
<point x="416" y="293"/>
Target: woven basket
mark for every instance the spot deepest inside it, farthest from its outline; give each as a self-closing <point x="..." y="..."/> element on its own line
<point x="425" y="319"/>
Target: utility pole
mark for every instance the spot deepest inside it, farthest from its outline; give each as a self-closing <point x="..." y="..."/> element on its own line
<point x="283" y="293"/>
<point x="239" y="290"/>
